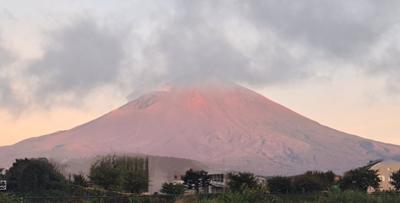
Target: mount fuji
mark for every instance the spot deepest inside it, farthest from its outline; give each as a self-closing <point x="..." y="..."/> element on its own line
<point x="223" y="125"/>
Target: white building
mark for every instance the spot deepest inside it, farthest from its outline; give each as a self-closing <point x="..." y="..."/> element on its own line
<point x="385" y="170"/>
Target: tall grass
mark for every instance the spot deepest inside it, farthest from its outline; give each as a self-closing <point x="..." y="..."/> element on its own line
<point x="330" y="197"/>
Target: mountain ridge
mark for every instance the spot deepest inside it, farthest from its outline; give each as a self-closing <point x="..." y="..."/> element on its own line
<point x="224" y="125"/>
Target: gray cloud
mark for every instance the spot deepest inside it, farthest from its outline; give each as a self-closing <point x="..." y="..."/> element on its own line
<point x="347" y="32"/>
<point x="78" y="58"/>
<point x="340" y="28"/>
<point x="255" y="42"/>
<point x="387" y="64"/>
<point x="194" y="46"/>
<point x="8" y="97"/>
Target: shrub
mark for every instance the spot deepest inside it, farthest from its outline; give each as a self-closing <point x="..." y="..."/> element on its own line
<point x="395" y="180"/>
<point x="360" y="179"/>
<point x="279" y="185"/>
<point x="8" y="198"/>
<point x="240" y="181"/>
<point x="128" y="174"/>
<point x="34" y="176"/>
<point x="173" y="189"/>
<point x="80" y="180"/>
<point x="313" y="181"/>
<point x="196" y="179"/>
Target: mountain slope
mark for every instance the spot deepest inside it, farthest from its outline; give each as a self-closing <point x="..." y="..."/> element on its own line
<point x="224" y="125"/>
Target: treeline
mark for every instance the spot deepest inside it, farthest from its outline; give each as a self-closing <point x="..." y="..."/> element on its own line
<point x="117" y="175"/>
<point x="39" y="176"/>
<point x="360" y="179"/>
<point x="311" y="181"/>
<point x="126" y="174"/>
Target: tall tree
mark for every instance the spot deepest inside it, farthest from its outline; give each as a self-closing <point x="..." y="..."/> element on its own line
<point x="313" y="181"/>
<point x="360" y="179"/>
<point x="134" y="182"/>
<point x="2" y="175"/>
<point x="279" y="185"/>
<point x="129" y="174"/>
<point x="197" y="180"/>
<point x="80" y="180"/>
<point x="240" y="181"/>
<point x="34" y="176"/>
<point x="395" y="180"/>
<point x="104" y="173"/>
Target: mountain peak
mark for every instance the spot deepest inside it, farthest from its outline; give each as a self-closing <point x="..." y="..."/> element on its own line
<point x="222" y="124"/>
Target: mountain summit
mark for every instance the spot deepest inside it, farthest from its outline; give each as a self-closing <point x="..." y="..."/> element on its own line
<point x="223" y="125"/>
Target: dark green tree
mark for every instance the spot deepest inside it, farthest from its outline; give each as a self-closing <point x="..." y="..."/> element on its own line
<point x="360" y="179"/>
<point x="240" y="181"/>
<point x="80" y="180"/>
<point x="135" y="182"/>
<point x="313" y="181"/>
<point x="173" y="189"/>
<point x="34" y="176"/>
<point x="395" y="180"/>
<point x="306" y="184"/>
<point x="128" y="174"/>
<point x="104" y="173"/>
<point x="2" y="175"/>
<point x="279" y="185"/>
<point x="197" y="180"/>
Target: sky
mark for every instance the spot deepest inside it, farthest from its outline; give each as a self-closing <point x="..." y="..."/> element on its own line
<point x="66" y="62"/>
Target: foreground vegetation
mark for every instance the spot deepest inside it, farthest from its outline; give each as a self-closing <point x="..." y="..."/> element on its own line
<point x="126" y="179"/>
<point x="243" y="197"/>
<point x="329" y="197"/>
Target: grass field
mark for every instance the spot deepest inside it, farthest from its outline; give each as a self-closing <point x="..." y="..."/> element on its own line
<point x="247" y="197"/>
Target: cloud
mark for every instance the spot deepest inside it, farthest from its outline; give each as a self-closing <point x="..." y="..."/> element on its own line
<point x="8" y="98"/>
<point x="254" y="42"/>
<point x="340" y="28"/>
<point x="383" y="60"/>
<point x="362" y="34"/>
<point x="197" y="43"/>
<point x="77" y="59"/>
<point x="290" y="39"/>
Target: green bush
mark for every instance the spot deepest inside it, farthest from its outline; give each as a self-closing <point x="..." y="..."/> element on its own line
<point x="8" y="198"/>
<point x="34" y="176"/>
<point x="196" y="180"/>
<point x="127" y="174"/>
<point x="239" y="181"/>
<point x="313" y="181"/>
<point x="395" y="180"/>
<point x="80" y="180"/>
<point x="360" y="179"/>
<point x="173" y="189"/>
<point x="252" y="196"/>
<point x="279" y="185"/>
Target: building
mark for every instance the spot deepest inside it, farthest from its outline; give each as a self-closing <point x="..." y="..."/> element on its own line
<point x="218" y="182"/>
<point x="385" y="170"/>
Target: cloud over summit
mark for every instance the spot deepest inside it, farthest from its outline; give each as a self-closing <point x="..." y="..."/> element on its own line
<point x="254" y="42"/>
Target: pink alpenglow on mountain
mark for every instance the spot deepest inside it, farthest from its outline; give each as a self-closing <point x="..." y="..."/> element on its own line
<point x="225" y="126"/>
